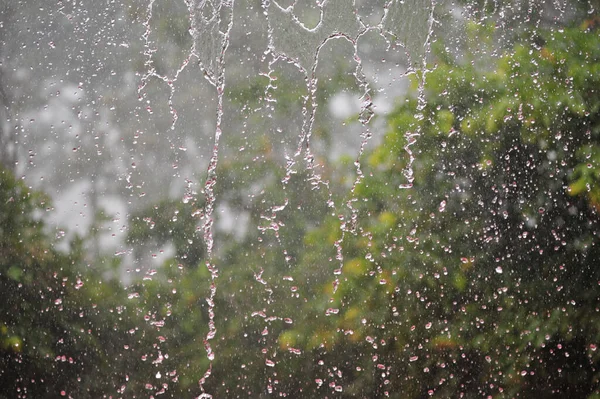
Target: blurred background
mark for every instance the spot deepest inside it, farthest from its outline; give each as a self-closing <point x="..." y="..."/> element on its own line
<point x="297" y="198"/>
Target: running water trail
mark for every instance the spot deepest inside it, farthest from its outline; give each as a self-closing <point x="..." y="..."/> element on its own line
<point x="211" y="28"/>
<point x="290" y="42"/>
<point x="211" y="22"/>
<point x="400" y="25"/>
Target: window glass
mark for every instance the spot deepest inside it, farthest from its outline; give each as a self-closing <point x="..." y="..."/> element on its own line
<point x="299" y="198"/>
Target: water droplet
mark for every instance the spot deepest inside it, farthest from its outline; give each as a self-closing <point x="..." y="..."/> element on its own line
<point x="442" y="206"/>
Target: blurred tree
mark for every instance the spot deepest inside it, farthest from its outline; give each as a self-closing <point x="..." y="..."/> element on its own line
<point x="479" y="280"/>
<point x="64" y="330"/>
<point x="482" y="279"/>
<point x="169" y="222"/>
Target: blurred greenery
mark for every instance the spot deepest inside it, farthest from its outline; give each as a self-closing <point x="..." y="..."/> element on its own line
<point x="481" y="280"/>
<point x="64" y="329"/>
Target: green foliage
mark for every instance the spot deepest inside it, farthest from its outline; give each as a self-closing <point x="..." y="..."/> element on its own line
<point x="168" y="222"/>
<point x="62" y="327"/>
<point x="481" y="279"/>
